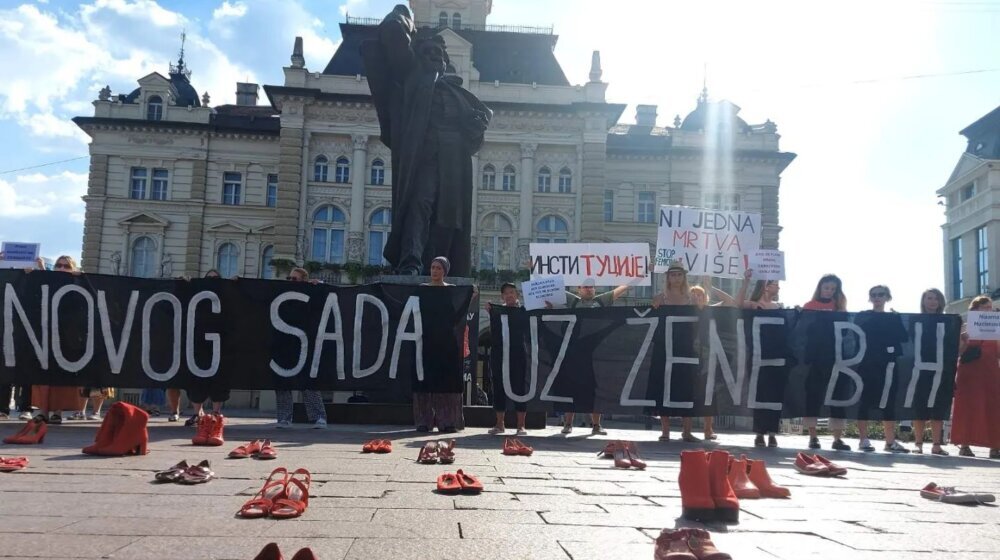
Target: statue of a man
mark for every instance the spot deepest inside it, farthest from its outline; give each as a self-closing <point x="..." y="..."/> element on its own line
<point x="433" y="127"/>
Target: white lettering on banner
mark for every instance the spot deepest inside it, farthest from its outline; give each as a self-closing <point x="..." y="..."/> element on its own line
<point x="358" y="372"/>
<point x="331" y="306"/>
<point x="10" y="304"/>
<point x="280" y="325"/>
<point x="178" y="336"/>
<point x="571" y="324"/>
<point x="607" y="264"/>
<point x="717" y="357"/>
<point x="708" y="242"/>
<point x="57" y="353"/>
<point x="842" y="366"/>
<point x="626" y="396"/>
<point x="116" y="354"/>
<point x="411" y="312"/>
<point x="758" y="362"/>
<point x="505" y="365"/>
<point x="213" y="338"/>
<point x="920" y="366"/>
<point x="668" y="373"/>
<point x="890" y="369"/>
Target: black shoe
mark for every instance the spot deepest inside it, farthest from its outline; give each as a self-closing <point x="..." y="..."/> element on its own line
<point x="772" y="441"/>
<point x="192" y="421"/>
<point x="423" y="429"/>
<point x="759" y="441"/>
<point x="839" y="445"/>
<point x="814" y="443"/>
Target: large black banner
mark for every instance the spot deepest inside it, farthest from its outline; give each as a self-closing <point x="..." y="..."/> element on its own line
<point x="680" y="361"/>
<point x="111" y="331"/>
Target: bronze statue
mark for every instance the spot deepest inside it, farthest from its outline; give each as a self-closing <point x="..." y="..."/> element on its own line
<point x="433" y="127"/>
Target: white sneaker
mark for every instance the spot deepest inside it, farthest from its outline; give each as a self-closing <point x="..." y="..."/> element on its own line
<point x="94" y="417"/>
<point x="567" y="428"/>
<point x="283" y="424"/>
<point x="896" y="447"/>
<point x="522" y="432"/>
<point x="26" y="415"/>
<point x="865" y="445"/>
<point x="320" y="424"/>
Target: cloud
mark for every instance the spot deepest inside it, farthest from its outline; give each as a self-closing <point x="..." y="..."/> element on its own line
<point x="227" y="10"/>
<point x="37" y="194"/>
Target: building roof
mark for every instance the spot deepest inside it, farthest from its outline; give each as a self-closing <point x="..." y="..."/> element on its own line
<point x="181" y="90"/>
<point x="254" y="120"/>
<point x="984" y="136"/>
<point x="508" y="57"/>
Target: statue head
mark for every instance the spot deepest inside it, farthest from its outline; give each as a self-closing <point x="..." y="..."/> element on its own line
<point x="432" y="53"/>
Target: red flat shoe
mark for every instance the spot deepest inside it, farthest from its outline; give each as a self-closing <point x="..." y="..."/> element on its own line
<point x="269" y="552"/>
<point x="246" y="450"/>
<point x="305" y="554"/>
<point x="806" y="464"/>
<point x="448" y="483"/>
<point x="369" y="446"/>
<point x="384" y="446"/>
<point x="12" y="464"/>
<point x="835" y="470"/>
<point x="261" y="503"/>
<point x="296" y="498"/>
<point x="267" y="451"/>
<point x="522" y="449"/>
<point x="510" y="448"/>
<point x="469" y="482"/>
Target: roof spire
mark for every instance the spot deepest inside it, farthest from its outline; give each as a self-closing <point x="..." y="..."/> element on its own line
<point x="595" y="66"/>
<point x="704" y="84"/>
<point x="181" y="68"/>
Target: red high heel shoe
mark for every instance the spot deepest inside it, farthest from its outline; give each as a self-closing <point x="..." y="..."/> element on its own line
<point x="131" y="437"/>
<point x="33" y="432"/>
<point x="305" y="554"/>
<point x="270" y="552"/>
<point x="113" y="422"/>
<point x="632" y="453"/>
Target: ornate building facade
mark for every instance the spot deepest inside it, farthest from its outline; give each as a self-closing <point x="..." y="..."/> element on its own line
<point x="178" y="187"/>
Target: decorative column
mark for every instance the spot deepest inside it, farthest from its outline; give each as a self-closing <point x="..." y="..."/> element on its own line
<point x="473" y="232"/>
<point x="356" y="233"/>
<point x="526" y="220"/>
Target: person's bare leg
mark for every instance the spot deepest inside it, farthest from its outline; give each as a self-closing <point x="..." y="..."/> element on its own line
<point x="521" y="415"/>
<point x="889" y="427"/>
<point x="709" y="432"/>
<point x="686" y="425"/>
<point x="98" y="404"/>
<point x="174" y="401"/>
<point x="595" y="418"/>
<point x="918" y="433"/>
<point x="664" y="427"/>
<point x="500" y="417"/>
<point x="937" y="433"/>
<point x="216" y="407"/>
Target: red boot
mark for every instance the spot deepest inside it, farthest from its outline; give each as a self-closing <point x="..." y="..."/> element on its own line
<point x="113" y="421"/>
<point x="131" y="438"/>
<point x="215" y="436"/>
<point x="205" y="425"/>
<point x="696" y="491"/>
<point x="741" y="483"/>
<point x="757" y="473"/>
<point x="727" y="505"/>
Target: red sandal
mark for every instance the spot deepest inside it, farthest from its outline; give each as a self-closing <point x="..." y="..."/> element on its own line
<point x="370" y="446"/>
<point x="384" y="446"/>
<point x="12" y="464"/>
<point x="245" y="451"/>
<point x="296" y="498"/>
<point x="448" y="483"/>
<point x="262" y="502"/>
<point x="469" y="482"/>
<point x="267" y="451"/>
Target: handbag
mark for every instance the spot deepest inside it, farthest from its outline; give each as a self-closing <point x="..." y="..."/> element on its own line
<point x="971" y="354"/>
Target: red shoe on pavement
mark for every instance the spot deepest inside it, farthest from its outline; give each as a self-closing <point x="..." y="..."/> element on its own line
<point x="738" y="479"/>
<point x="757" y="473"/>
<point x="696" y="490"/>
<point x="835" y="470"/>
<point x="727" y="505"/>
<point x="672" y="545"/>
<point x="806" y="464"/>
<point x="215" y="436"/>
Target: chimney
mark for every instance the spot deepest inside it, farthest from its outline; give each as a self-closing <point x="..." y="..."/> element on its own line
<point x="246" y="94"/>
<point x="645" y="115"/>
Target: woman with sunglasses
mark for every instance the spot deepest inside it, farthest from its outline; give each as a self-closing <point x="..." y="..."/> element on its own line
<point x="932" y="302"/>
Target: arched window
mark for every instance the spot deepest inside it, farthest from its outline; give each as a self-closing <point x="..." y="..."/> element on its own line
<point x="565" y="180"/>
<point x="154" y="108"/>
<point x="443" y="19"/>
<point x="378" y="233"/>
<point x="321" y="169"/>
<point x="143" y="263"/>
<point x="544" y="180"/>
<point x="456" y="20"/>
<point x="489" y="178"/>
<point x="328" y="235"/>
<point x="552" y="229"/>
<point x="496" y="240"/>
<point x="343" y="172"/>
<point x="378" y="172"/>
<point x="266" y="256"/>
<point x="509" y="178"/>
<point x="228" y="260"/>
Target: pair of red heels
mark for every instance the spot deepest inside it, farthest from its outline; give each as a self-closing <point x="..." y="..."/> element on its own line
<point x="272" y="552"/>
<point x="625" y="454"/>
<point x="514" y="446"/>
<point x="33" y="432"/>
<point x="262" y="450"/>
<point x="453" y="483"/>
<point x="281" y="498"/>
<point x="377" y="446"/>
<point x="123" y="432"/>
<point x="210" y="430"/>
<point x="11" y="464"/>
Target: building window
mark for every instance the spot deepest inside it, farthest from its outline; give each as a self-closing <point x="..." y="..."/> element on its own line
<point x="378" y="234"/>
<point x="321" y="169"/>
<point x="328" y="235"/>
<point x="272" y="191"/>
<point x="565" y="180"/>
<point x="646" y="208"/>
<point x="443" y="19"/>
<point x="343" y="171"/>
<point x="266" y="270"/>
<point x="721" y="201"/>
<point x="982" y="260"/>
<point x="489" y="178"/>
<point x="160" y="177"/>
<point x="456" y="20"/>
<point x="958" y="291"/>
<point x="544" y="180"/>
<point x="509" y="178"/>
<point x="138" y="185"/>
<point x="497" y="242"/>
<point x="609" y="205"/>
<point x="154" y="108"/>
<point x="378" y="172"/>
<point x="143" y="258"/>
<point x="232" y="185"/>
<point x="552" y="229"/>
<point x="228" y="260"/>
<point x="968" y="191"/>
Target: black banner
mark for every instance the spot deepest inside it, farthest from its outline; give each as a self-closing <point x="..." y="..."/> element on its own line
<point x="111" y="331"/>
<point x="680" y="361"/>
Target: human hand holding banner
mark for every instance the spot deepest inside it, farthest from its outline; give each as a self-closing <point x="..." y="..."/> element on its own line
<point x="707" y="242"/>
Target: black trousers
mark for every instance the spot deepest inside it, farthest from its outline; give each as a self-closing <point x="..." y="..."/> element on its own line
<point x="22" y="398"/>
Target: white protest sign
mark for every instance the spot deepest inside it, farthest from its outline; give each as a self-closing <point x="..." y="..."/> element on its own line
<point x="19" y="255"/>
<point x="983" y="325"/>
<point x="767" y="264"/>
<point x="545" y="288"/>
<point x="707" y="242"/>
<point x="607" y="264"/>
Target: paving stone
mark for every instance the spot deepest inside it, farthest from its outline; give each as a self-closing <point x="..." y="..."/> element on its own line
<point x="561" y="533"/>
<point x="323" y="529"/>
<point x="44" y="546"/>
<point x="445" y="549"/>
<point x="228" y="548"/>
<point x="399" y="516"/>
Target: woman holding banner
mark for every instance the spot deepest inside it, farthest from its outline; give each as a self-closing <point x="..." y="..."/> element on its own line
<point x="764" y="297"/>
<point x="976" y="417"/>
<point x="932" y="302"/>
<point x="828" y="296"/>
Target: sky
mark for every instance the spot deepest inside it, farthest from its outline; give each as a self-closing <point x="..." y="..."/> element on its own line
<point x="870" y="96"/>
